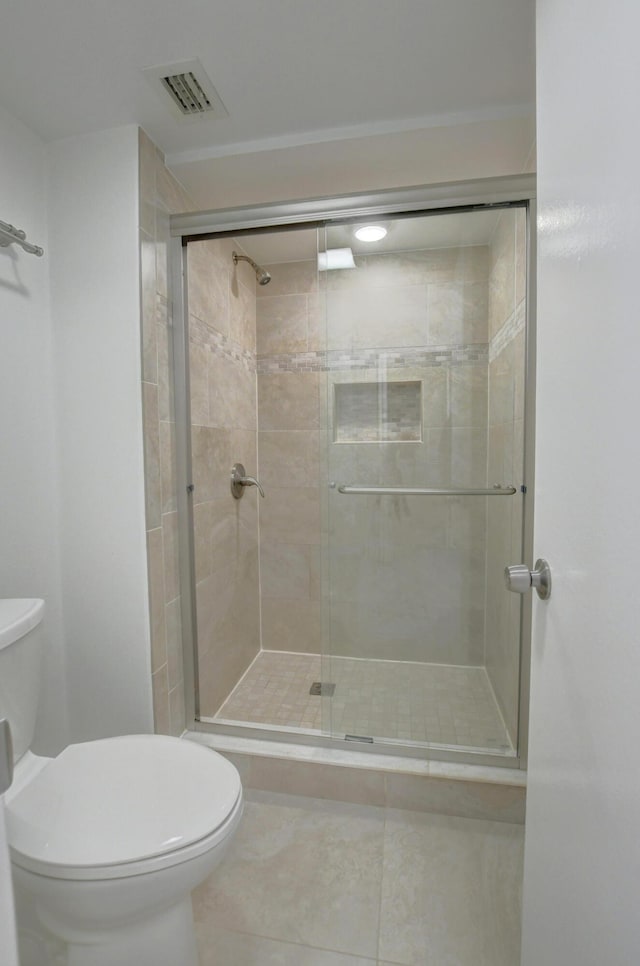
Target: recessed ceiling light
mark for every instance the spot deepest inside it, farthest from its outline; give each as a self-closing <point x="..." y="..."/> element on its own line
<point x="370" y="233"/>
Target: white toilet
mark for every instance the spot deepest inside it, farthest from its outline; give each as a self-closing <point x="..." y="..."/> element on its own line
<point x="109" y="838"/>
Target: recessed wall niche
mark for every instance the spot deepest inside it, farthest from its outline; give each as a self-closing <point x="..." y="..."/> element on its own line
<point x="369" y="412"/>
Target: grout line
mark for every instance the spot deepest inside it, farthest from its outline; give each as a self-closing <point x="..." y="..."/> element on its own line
<point x="498" y="708"/>
<point x="238" y="684"/>
<point x="384" y="849"/>
<point x="375" y="660"/>
<point x="299" y="945"/>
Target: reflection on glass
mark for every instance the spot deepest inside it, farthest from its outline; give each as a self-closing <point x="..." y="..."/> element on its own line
<point x="424" y="388"/>
<point x="405" y="369"/>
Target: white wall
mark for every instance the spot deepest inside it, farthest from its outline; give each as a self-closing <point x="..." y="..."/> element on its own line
<point x="480" y="149"/>
<point x="72" y="523"/>
<point x="582" y="862"/>
<point x="29" y="559"/>
<point x="29" y="563"/>
<point x="93" y="211"/>
<point x="71" y="469"/>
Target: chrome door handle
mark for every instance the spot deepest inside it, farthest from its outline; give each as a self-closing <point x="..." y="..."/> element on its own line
<point x="520" y="579"/>
<point x="239" y="480"/>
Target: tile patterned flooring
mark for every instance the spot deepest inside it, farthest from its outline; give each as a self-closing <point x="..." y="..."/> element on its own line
<point x="320" y="883"/>
<point x="387" y="699"/>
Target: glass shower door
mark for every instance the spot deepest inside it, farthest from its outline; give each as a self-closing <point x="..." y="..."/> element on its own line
<point x="424" y="417"/>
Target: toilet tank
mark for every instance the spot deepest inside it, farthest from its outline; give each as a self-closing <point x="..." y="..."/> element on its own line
<point x="20" y="659"/>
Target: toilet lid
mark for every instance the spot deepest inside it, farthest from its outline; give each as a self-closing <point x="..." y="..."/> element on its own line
<point x="119" y="800"/>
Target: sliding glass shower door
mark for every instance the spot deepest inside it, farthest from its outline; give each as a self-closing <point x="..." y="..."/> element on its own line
<point x="423" y="403"/>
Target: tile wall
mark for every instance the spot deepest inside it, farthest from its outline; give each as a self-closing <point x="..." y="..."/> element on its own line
<point x="290" y="343"/>
<point x="407" y="577"/>
<point x="223" y="409"/>
<point x="507" y="291"/>
<point x="406" y="574"/>
<point x="160" y="196"/>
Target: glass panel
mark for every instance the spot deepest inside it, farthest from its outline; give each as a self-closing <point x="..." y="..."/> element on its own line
<point x="256" y="360"/>
<point x="424" y="387"/>
<point x="405" y="370"/>
<point x="222" y="364"/>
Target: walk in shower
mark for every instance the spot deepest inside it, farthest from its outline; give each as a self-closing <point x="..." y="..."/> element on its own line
<point x="367" y="392"/>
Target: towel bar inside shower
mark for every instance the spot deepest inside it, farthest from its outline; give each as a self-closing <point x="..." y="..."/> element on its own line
<point x="352" y="489"/>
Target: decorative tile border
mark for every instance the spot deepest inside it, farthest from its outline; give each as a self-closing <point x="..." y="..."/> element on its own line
<point x="335" y="360"/>
<point x="220" y="345"/>
<point x="514" y="324"/>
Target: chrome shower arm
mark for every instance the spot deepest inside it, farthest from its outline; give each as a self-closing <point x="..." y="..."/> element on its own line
<point x="262" y="275"/>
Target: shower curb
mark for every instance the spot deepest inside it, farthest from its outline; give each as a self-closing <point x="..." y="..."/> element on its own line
<point x="467" y="791"/>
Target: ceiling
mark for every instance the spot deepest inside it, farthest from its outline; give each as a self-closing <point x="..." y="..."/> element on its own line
<point x="289" y="72"/>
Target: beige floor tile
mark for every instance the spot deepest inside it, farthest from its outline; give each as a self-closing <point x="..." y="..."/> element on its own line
<point x="219" y="947"/>
<point x="450" y="891"/>
<point x="308" y="874"/>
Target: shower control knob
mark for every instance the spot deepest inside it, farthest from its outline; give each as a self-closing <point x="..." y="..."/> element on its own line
<point x="520" y="579"/>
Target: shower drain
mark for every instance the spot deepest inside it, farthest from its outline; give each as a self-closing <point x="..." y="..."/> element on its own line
<point x="323" y="688"/>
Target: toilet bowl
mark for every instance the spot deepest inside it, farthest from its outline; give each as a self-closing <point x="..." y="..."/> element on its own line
<point x="108" y="839"/>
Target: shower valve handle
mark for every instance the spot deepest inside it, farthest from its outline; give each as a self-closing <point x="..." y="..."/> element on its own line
<point x="520" y="579"/>
<point x="251" y="481"/>
<point x="239" y="480"/>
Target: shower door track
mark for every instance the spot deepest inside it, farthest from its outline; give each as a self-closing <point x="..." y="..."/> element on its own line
<point x="364" y="746"/>
<point x="484" y="194"/>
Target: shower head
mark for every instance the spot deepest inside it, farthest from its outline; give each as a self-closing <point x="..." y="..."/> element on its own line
<point x="262" y="275"/>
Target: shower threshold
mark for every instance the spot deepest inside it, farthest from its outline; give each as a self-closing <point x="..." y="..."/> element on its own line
<point x="395" y="701"/>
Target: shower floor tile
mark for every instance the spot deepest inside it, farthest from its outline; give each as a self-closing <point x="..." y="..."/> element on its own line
<point x="395" y="700"/>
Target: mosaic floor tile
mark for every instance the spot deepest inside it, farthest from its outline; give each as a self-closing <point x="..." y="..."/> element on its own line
<point x="394" y="700"/>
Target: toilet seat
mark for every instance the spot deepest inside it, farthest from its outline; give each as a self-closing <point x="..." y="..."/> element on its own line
<point x="124" y="806"/>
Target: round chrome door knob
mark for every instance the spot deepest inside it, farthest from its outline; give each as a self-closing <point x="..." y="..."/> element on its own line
<point x="517" y="578"/>
<point x="520" y="579"/>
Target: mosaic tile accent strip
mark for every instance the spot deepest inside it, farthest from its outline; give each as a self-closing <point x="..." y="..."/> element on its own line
<point x="398" y="700"/>
<point x="335" y="360"/>
<point x="377" y="411"/>
<point x="514" y="324"/>
<point x="220" y="345"/>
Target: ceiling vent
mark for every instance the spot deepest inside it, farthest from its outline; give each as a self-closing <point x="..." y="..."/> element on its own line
<point x="187" y="92"/>
<point x="188" y="89"/>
